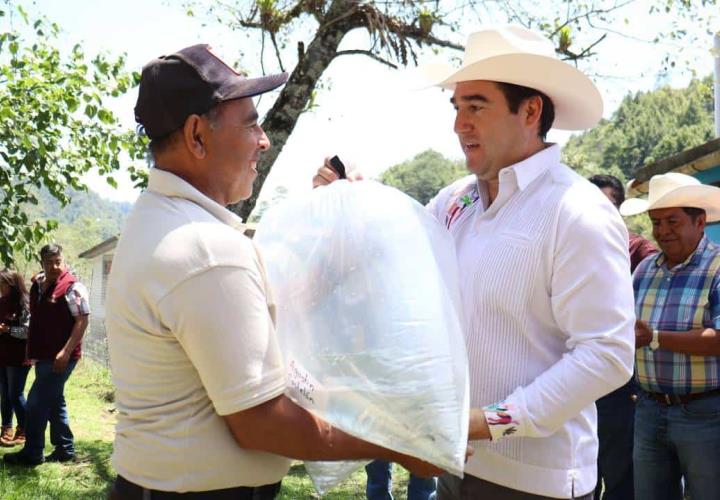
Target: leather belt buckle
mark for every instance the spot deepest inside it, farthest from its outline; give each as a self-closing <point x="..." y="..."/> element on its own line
<point x="672" y="399"/>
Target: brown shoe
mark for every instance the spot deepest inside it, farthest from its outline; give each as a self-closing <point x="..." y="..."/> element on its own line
<point x="19" y="437"/>
<point x="6" y="437"/>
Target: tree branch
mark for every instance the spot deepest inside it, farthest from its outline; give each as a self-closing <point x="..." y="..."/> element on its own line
<point x="432" y="40"/>
<point x="277" y="51"/>
<point x="589" y="13"/>
<point x="368" y="54"/>
<point x="295" y="10"/>
<point x="404" y="30"/>
<point x="585" y="52"/>
<point x="262" y="52"/>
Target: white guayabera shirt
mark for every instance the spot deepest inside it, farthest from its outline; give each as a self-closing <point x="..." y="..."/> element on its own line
<point x="547" y="294"/>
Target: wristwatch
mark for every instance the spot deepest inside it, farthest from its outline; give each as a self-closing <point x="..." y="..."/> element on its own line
<point x="655" y="342"/>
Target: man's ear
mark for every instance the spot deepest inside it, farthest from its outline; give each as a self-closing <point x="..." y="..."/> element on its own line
<point x="702" y="221"/>
<point x="195" y="136"/>
<point x="533" y="110"/>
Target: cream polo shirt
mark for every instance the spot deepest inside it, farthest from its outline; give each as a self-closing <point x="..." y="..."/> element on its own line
<point x="191" y="338"/>
<point x="547" y="294"/>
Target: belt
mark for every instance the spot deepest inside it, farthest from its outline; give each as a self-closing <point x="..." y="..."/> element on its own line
<point x="127" y="490"/>
<point x="680" y="399"/>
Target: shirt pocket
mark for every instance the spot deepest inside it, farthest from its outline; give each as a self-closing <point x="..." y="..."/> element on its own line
<point x="505" y="275"/>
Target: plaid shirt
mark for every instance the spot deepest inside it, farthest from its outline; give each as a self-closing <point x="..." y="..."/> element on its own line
<point x="678" y="299"/>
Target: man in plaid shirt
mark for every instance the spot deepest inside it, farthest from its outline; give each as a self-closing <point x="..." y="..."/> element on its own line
<point x="677" y="302"/>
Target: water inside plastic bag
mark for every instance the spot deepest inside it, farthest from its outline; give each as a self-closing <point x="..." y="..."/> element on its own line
<point x="365" y="283"/>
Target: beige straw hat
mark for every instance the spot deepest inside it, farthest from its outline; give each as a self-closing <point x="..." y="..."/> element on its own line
<point x="676" y="190"/>
<point x="513" y="54"/>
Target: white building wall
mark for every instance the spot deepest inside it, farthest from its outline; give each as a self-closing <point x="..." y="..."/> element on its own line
<point x="95" y="341"/>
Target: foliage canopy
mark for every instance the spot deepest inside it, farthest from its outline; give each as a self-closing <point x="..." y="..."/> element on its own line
<point x="54" y="124"/>
<point x="424" y="175"/>
<point x="646" y="127"/>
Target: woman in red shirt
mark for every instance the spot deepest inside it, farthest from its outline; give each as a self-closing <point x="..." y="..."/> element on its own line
<point x="14" y="365"/>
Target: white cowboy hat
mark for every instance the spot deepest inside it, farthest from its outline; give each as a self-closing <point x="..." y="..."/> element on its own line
<point x="513" y="54"/>
<point x="676" y="190"/>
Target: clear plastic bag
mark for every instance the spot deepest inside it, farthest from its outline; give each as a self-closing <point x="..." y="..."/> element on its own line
<point x="369" y="321"/>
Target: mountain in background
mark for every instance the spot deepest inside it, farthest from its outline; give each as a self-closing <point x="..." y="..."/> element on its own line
<point x="84" y="204"/>
<point x="647" y="127"/>
<point x="86" y="221"/>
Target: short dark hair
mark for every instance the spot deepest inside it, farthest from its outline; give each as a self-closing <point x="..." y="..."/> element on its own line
<point x="160" y="144"/>
<point x="516" y="94"/>
<point x="693" y="212"/>
<point x="612" y="182"/>
<point x="50" y="250"/>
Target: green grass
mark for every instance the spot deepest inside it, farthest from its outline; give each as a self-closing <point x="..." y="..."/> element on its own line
<point x="297" y="485"/>
<point x="89" y="397"/>
<point x="92" y="418"/>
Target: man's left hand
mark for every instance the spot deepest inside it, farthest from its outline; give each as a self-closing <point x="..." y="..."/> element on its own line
<point x="643" y="334"/>
<point x="327" y="175"/>
<point x="61" y="361"/>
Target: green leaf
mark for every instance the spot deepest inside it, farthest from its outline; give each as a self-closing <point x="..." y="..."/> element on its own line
<point x="106" y="116"/>
<point x="72" y="104"/>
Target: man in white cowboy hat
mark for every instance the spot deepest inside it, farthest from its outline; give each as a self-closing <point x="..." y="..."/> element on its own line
<point x="677" y="302"/>
<point x="546" y="290"/>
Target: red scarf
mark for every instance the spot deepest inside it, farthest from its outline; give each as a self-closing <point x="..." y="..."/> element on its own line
<point x="61" y="285"/>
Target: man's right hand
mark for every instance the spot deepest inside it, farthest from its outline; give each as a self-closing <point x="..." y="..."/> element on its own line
<point x="327" y="175"/>
<point x="478" y="428"/>
<point x="4" y="328"/>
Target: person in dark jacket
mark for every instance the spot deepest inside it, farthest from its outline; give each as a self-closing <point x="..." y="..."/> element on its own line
<point x="14" y="365"/>
<point x="616" y="411"/>
<point x="59" y="313"/>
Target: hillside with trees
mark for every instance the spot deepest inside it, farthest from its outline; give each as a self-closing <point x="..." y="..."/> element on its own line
<point x="424" y="175"/>
<point x="646" y="127"/>
<point x="81" y="224"/>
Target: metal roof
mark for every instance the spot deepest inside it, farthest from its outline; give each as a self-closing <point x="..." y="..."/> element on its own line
<point x="690" y="161"/>
<point x="100" y="248"/>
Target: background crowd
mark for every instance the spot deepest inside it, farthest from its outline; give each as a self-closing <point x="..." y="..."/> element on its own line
<point x="42" y="328"/>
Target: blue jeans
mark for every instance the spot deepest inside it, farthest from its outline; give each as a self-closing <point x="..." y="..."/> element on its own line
<point x="46" y="403"/>
<point x="379" y="483"/>
<point x="676" y="442"/>
<point x="12" y="394"/>
<point x="616" y="419"/>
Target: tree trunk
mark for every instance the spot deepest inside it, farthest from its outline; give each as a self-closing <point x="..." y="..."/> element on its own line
<point x="295" y="96"/>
